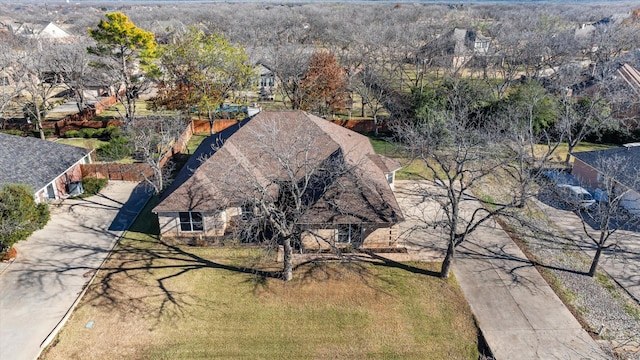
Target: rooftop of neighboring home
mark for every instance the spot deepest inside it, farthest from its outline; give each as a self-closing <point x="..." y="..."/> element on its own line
<point x="35" y="162"/>
<point x="626" y="161"/>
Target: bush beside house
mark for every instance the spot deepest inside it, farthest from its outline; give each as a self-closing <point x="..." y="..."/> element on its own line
<point x="20" y="215"/>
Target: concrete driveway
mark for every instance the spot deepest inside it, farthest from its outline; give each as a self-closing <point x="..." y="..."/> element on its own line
<point x="55" y="264"/>
<point x="519" y="314"/>
<point x="622" y="262"/>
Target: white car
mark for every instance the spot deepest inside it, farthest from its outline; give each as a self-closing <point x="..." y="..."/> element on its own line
<point x="576" y="196"/>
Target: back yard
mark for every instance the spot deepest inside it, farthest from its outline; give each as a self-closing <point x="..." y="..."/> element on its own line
<point x="157" y="301"/>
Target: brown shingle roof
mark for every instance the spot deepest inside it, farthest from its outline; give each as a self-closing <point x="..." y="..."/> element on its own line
<point x="254" y="155"/>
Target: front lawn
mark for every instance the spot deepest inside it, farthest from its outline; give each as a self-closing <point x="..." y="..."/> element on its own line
<point x="156" y="301"/>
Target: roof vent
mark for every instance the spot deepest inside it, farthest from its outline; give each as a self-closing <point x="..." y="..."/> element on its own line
<point x="630" y="145"/>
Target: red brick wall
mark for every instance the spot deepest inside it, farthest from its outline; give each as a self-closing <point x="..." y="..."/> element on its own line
<point x="585" y="173"/>
<point x="74" y="174"/>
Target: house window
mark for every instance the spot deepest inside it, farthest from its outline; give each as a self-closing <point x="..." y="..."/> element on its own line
<point x="348" y="233"/>
<point x="191" y="221"/>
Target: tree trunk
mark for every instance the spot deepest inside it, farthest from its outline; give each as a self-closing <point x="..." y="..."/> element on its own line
<point x="287" y="271"/>
<point x="375" y="125"/>
<point x="594" y="263"/>
<point x="448" y="261"/>
<point x="567" y="160"/>
<point x="212" y="121"/>
<point x="39" y="122"/>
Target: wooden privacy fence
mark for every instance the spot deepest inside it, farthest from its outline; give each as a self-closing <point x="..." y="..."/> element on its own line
<point x="125" y="172"/>
<point x="362" y="126"/>
<point x="203" y="126"/>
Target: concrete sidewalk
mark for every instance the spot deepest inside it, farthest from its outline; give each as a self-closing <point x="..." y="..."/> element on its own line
<point x="517" y="311"/>
<point x="55" y="264"/>
<point x="622" y="262"/>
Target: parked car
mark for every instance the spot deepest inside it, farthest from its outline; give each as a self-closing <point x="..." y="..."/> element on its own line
<point x="576" y="196"/>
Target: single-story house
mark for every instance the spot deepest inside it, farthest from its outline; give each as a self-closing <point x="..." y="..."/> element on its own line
<point x="52" y="169"/>
<point x="588" y="167"/>
<point x="254" y="160"/>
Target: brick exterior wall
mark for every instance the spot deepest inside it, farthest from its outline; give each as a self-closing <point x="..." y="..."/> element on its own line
<point x="585" y="173"/>
<point x="382" y="237"/>
<point x="374" y="237"/>
<point x="72" y="175"/>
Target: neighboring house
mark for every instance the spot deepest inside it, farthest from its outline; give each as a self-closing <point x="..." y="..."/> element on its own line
<point x="587" y="167"/>
<point x="52" y="169"/>
<point x="458" y="47"/>
<point x="622" y="83"/>
<point x="49" y="31"/>
<point x="356" y="208"/>
<point x="53" y="31"/>
<point x="630" y="75"/>
<point x="266" y="81"/>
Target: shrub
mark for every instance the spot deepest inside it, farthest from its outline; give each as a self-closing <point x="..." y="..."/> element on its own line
<point x="72" y="134"/>
<point x="93" y="186"/>
<point x="109" y="132"/>
<point x="88" y="133"/>
<point x="13" y="132"/>
<point x="36" y="133"/>
<point x="112" y="132"/>
<point x="117" y="148"/>
<point x="20" y="216"/>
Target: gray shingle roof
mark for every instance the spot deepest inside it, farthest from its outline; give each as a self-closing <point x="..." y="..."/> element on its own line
<point x="628" y="158"/>
<point x="35" y="162"/>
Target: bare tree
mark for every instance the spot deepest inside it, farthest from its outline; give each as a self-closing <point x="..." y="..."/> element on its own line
<point x="289" y="64"/>
<point x="374" y="93"/>
<point x="152" y="139"/>
<point x="294" y="174"/>
<point x="605" y="223"/>
<point x="583" y="117"/>
<point x="459" y="156"/>
<point x="72" y="64"/>
<point x="41" y="84"/>
<point x="11" y="77"/>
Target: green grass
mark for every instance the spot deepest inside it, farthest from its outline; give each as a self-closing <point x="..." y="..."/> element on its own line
<point x="155" y="301"/>
<point x="414" y="170"/>
<point x="386" y="148"/>
<point x="411" y="169"/>
<point x="82" y="142"/>
<point x="195" y="141"/>
<point x="117" y="111"/>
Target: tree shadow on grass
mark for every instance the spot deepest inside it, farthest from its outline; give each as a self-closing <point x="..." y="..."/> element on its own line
<point x="151" y="265"/>
<point x="382" y="261"/>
